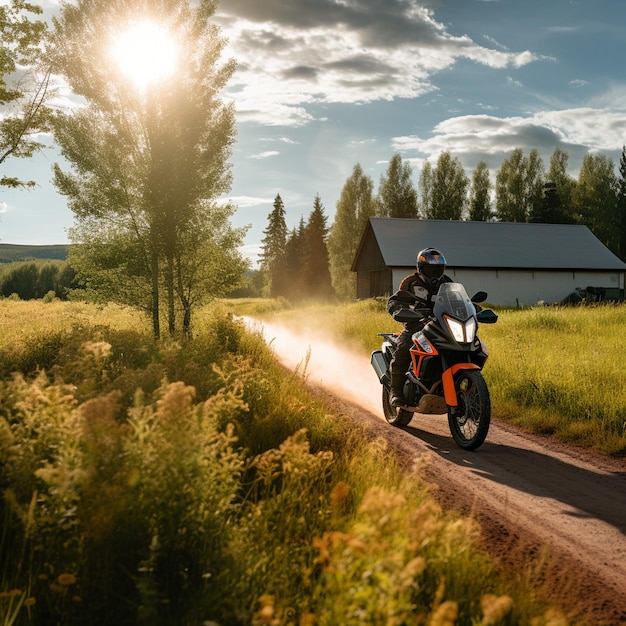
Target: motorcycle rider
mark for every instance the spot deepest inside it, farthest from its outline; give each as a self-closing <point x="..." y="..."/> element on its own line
<point x="416" y="290"/>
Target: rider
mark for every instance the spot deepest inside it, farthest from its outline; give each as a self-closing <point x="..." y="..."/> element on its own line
<point x="417" y="290"/>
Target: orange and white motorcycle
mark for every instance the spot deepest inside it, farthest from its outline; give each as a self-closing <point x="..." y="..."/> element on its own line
<point x="445" y="374"/>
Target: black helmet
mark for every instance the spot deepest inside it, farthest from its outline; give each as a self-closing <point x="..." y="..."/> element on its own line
<point x="431" y="265"/>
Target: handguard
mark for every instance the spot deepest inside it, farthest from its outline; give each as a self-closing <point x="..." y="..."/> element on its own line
<point x="407" y="315"/>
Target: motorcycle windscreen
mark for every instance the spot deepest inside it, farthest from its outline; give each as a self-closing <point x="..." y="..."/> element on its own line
<point x="452" y="299"/>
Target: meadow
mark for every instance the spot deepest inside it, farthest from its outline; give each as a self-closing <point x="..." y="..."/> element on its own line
<point x="555" y="371"/>
<point x="199" y="482"/>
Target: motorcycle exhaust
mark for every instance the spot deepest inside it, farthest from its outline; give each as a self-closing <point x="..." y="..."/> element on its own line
<point x="380" y="367"/>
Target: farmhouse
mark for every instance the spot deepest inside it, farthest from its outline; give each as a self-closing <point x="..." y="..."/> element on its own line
<point x="517" y="264"/>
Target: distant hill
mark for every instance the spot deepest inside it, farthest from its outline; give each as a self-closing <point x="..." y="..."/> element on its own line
<point x="11" y="253"/>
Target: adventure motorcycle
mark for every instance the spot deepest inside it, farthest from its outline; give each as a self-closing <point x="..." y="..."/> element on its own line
<point x="446" y="362"/>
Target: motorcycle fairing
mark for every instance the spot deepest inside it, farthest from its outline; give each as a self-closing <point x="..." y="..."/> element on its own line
<point x="449" y="392"/>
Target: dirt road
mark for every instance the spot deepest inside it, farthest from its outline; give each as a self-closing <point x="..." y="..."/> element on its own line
<point x="541" y="505"/>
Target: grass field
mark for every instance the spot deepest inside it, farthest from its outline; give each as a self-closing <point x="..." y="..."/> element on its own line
<point x="198" y="482"/>
<point x="559" y="371"/>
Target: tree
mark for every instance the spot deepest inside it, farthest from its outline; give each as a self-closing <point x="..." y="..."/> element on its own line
<point x="291" y="270"/>
<point x="274" y="245"/>
<point x="315" y="269"/>
<point x="354" y="208"/>
<point x="519" y="186"/>
<point x="397" y="196"/>
<point x="595" y="198"/>
<point x="23" y="92"/>
<point x="444" y="189"/>
<point x="480" y="195"/>
<point x="564" y="183"/>
<point x="148" y="159"/>
<point x="621" y="204"/>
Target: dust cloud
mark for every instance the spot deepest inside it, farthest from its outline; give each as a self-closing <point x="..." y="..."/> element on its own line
<point x="323" y="362"/>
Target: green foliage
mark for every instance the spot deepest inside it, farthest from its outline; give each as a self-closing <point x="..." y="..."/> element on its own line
<point x="444" y="189"/>
<point x="23" y="93"/>
<point x="146" y="169"/>
<point x="240" y="501"/>
<point x="37" y="279"/>
<point x="544" y="372"/>
<point x="354" y="208"/>
<point x="397" y="196"/>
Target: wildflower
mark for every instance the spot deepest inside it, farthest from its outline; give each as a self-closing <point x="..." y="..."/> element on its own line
<point x="339" y="494"/>
<point x="65" y="580"/>
<point x="495" y="608"/>
<point x="29" y="602"/>
<point x="445" y="614"/>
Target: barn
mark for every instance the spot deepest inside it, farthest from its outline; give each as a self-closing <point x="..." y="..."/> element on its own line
<point x="517" y="264"/>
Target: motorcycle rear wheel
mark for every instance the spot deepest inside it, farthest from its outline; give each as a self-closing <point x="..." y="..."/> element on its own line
<point x="394" y="415"/>
<point x="469" y="422"/>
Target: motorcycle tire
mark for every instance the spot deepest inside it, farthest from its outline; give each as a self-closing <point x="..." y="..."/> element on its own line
<point x="394" y="415"/>
<point x="469" y="422"/>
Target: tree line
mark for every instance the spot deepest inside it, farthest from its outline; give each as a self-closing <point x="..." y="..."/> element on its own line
<point x="34" y="280"/>
<point x="523" y="191"/>
<point x="147" y="167"/>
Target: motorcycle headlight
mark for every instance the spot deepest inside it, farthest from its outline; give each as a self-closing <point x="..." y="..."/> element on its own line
<point x="462" y="332"/>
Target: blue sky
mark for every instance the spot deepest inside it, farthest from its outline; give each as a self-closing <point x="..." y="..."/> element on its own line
<point x="324" y="84"/>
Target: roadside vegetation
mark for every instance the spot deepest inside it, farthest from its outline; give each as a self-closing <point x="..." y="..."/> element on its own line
<point x="199" y="482"/>
<point x="557" y="371"/>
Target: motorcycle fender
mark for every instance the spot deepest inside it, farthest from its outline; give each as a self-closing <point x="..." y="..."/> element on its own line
<point x="449" y="392"/>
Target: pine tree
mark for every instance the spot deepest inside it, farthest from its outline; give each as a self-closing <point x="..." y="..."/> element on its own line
<point x="290" y="271"/>
<point x="273" y="245"/>
<point x="316" y="270"/>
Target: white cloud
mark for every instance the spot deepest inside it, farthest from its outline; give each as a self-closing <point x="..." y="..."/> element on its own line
<point x="247" y="201"/>
<point x="483" y="136"/>
<point x="264" y="155"/>
<point x="4" y="207"/>
<point x="293" y="55"/>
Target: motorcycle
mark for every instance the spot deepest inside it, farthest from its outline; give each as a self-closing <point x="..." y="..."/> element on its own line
<point x="447" y="358"/>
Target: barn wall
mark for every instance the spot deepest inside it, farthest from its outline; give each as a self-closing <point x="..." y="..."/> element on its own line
<point x="527" y="287"/>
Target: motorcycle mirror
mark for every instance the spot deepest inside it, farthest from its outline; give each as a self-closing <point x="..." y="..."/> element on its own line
<point x="479" y="296"/>
<point x="487" y="316"/>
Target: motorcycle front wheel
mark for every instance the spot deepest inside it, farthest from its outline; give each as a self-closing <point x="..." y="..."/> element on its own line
<point x="469" y="421"/>
<point x="394" y="415"/>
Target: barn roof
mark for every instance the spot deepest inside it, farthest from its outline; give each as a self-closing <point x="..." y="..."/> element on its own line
<point x="491" y="244"/>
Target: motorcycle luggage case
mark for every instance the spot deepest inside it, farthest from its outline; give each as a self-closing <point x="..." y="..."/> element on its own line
<point x="380" y="365"/>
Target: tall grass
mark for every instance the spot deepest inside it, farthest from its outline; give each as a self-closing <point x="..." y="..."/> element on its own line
<point x="193" y="483"/>
<point x="559" y="371"/>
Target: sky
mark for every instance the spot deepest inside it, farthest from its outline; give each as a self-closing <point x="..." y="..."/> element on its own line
<point x="322" y="85"/>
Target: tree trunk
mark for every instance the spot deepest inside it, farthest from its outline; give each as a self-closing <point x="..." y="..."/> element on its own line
<point x="156" y="329"/>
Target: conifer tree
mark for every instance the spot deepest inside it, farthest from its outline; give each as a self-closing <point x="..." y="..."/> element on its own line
<point x="290" y="275"/>
<point x="316" y="270"/>
<point x="273" y="245"/>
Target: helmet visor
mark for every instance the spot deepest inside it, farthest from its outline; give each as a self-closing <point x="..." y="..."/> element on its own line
<point x="432" y="271"/>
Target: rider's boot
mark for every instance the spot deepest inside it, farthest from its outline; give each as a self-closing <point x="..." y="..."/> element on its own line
<point x="397" y="389"/>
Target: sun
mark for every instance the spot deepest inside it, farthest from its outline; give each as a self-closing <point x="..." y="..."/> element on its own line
<point x="146" y="53"/>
